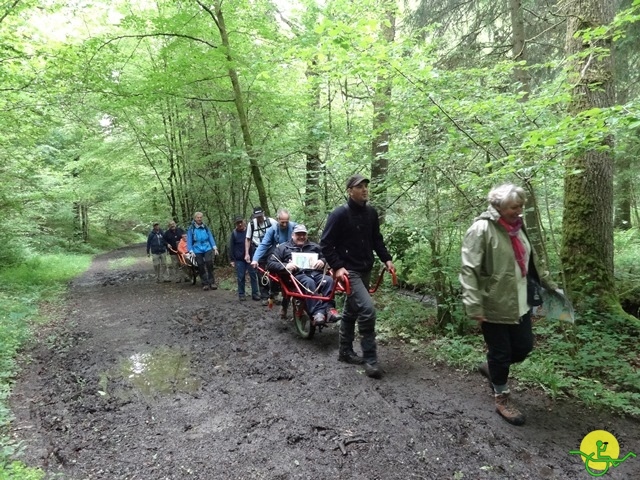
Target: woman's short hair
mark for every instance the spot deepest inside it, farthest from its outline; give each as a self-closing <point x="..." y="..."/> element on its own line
<point x="507" y="192"/>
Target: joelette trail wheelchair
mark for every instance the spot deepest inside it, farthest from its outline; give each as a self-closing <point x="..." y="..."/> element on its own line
<point x="295" y="295"/>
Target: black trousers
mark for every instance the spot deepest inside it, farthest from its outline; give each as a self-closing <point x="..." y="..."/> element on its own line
<point x="205" y="267"/>
<point x="507" y="344"/>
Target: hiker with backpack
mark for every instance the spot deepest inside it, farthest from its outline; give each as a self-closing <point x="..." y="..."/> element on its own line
<point x="256" y="230"/>
<point x="200" y="241"/>
<point x="157" y="250"/>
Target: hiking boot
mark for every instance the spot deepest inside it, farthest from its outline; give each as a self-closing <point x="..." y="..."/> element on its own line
<point x="373" y="370"/>
<point x="255" y="297"/>
<point x="205" y="287"/>
<point x="333" y="315"/>
<point x="350" y="357"/>
<point x="318" y="318"/>
<point x="242" y="298"/>
<point x="214" y="286"/>
<point x="507" y="410"/>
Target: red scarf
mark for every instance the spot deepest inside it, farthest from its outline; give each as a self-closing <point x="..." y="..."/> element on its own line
<point x="518" y="247"/>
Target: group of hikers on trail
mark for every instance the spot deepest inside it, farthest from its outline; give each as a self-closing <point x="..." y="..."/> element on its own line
<point x="499" y="277"/>
<point x="175" y="252"/>
<point x="347" y="246"/>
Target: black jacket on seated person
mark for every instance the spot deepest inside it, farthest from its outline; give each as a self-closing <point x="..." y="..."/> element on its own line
<point x="285" y="251"/>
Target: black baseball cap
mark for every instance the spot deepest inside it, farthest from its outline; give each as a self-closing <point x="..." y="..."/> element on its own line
<point x="356" y="180"/>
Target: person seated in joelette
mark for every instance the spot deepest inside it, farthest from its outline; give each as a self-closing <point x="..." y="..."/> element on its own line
<point x="308" y="270"/>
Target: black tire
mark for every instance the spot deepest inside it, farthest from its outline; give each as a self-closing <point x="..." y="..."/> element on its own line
<point x="301" y="320"/>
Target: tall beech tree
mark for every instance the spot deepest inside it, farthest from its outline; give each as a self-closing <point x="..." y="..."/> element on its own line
<point x="382" y="101"/>
<point x="587" y="248"/>
<point x="217" y="15"/>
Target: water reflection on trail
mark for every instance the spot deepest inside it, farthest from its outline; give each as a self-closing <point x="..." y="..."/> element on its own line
<point x="162" y="371"/>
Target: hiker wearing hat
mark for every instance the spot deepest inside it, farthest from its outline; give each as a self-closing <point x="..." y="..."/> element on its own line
<point x="239" y="262"/>
<point x="350" y="237"/>
<point x="157" y="250"/>
<point x="303" y="259"/>
<point x="255" y="232"/>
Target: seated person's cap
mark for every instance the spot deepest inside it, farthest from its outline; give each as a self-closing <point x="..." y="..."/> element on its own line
<point x="237" y="218"/>
<point x="356" y="180"/>
<point x="257" y="211"/>
<point x="300" y="229"/>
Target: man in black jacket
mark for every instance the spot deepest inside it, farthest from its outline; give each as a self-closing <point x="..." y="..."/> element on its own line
<point x="350" y="237"/>
<point x="157" y="250"/>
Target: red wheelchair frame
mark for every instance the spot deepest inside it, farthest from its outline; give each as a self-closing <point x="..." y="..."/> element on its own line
<point x="293" y="293"/>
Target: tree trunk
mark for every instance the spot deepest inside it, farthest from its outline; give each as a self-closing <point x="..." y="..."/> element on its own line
<point x="314" y="168"/>
<point x="218" y="18"/>
<point x="380" y="142"/>
<point x="624" y="192"/>
<point x="587" y="250"/>
<point x="81" y="221"/>
<point x="519" y="48"/>
<point x="519" y="51"/>
<point x="624" y="160"/>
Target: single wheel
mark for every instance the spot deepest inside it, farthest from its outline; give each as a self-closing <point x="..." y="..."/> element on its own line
<point x="301" y="319"/>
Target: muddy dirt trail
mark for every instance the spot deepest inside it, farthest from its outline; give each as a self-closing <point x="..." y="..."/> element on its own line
<point x="164" y="381"/>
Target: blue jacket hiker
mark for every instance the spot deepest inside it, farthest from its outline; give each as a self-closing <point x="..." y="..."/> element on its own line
<point x="201" y="242"/>
<point x="276" y="235"/>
